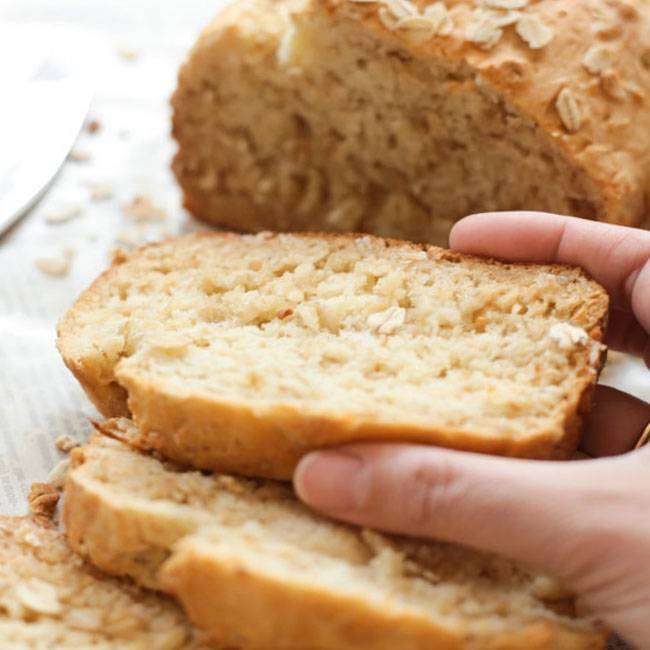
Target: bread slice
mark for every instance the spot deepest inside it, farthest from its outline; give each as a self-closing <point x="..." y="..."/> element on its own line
<point x="50" y="599"/>
<point x="398" y="118"/>
<point x="241" y="353"/>
<point x="257" y="569"/>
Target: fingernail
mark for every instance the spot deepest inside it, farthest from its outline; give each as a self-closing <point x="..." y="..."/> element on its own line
<point x="328" y="480"/>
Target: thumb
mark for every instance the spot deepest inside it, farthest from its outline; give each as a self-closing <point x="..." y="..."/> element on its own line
<point x="533" y="511"/>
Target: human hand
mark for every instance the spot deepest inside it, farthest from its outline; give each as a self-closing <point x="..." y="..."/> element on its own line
<point x="589" y="521"/>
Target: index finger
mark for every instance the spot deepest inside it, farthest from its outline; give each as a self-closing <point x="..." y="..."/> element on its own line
<point x="616" y="256"/>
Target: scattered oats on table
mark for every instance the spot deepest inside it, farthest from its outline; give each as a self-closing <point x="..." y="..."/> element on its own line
<point x="142" y="208"/>
<point x="128" y="53"/>
<point x="56" y="266"/>
<point x="65" y="443"/>
<point x="99" y="191"/>
<point x="63" y="214"/>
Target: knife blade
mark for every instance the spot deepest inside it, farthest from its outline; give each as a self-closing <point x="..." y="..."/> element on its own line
<point x="40" y="122"/>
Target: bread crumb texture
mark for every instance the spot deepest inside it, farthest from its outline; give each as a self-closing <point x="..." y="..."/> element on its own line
<point x="257" y="569"/>
<point x="50" y="598"/>
<point x="398" y="118"/>
<point x="290" y="342"/>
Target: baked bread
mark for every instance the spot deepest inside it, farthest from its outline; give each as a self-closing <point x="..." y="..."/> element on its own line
<point x="51" y="599"/>
<point x="257" y="569"/>
<point x="242" y="352"/>
<point x="398" y="118"/>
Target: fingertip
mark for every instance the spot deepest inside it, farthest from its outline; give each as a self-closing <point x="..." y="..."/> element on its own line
<point x="301" y="475"/>
<point x="324" y="480"/>
<point x="461" y="234"/>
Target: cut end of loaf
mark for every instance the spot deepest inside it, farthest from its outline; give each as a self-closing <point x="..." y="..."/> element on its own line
<point x="244" y="352"/>
<point x="236" y="551"/>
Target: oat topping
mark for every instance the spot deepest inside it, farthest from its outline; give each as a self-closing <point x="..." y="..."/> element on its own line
<point x="493" y="15"/>
<point x="485" y="33"/>
<point x="404" y="16"/>
<point x="142" y="208"/>
<point x="439" y="16"/>
<point x="598" y="58"/>
<point x="387" y="18"/>
<point x="499" y="18"/>
<point x="416" y="28"/>
<point x="569" y="110"/>
<point x="534" y="32"/>
<point x="505" y="4"/>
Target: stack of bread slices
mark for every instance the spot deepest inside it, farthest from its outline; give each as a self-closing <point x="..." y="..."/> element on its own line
<point x="218" y="361"/>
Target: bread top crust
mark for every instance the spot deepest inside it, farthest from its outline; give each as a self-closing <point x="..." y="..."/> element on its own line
<point x="580" y="71"/>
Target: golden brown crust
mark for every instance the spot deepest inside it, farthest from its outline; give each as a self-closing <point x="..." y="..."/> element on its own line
<point x="238" y="437"/>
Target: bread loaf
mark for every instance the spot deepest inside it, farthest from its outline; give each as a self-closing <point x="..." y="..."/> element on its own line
<point x="257" y="569"/>
<point x="397" y="118"/>
<point x="51" y="599"/>
<point x="243" y="352"/>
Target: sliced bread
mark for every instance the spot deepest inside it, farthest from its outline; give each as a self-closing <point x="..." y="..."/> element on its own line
<point x="242" y="352"/>
<point x="398" y="118"/>
<point x="50" y="599"/>
<point x="256" y="569"/>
